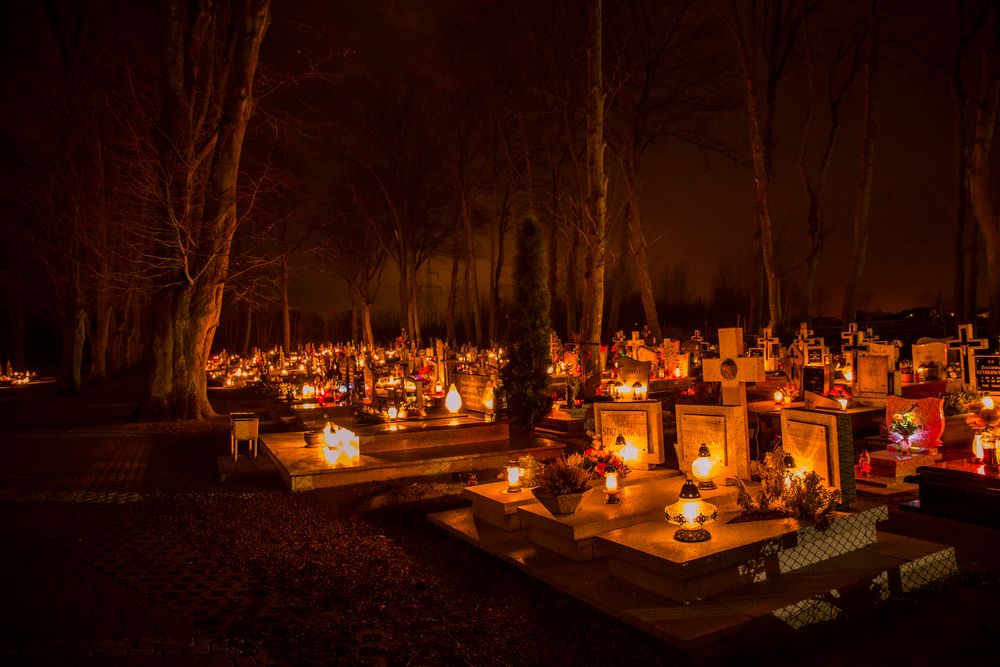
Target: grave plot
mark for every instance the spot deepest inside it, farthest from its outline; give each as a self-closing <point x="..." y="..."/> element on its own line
<point x="772" y="576"/>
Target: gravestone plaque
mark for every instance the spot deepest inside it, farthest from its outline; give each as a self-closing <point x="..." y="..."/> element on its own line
<point x="816" y="379"/>
<point x="647" y="354"/>
<point x="822" y="442"/>
<point x="872" y="376"/>
<point x="756" y="352"/>
<point x="639" y="422"/>
<point x="814" y="355"/>
<point x="471" y="387"/>
<point x="723" y="428"/>
<point x="987" y="373"/>
<point x="631" y="371"/>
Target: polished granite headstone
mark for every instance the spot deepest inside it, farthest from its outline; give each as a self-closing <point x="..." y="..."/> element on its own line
<point x="962" y="490"/>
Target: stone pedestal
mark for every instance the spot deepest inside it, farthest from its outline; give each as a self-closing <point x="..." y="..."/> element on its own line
<point x="889" y="463"/>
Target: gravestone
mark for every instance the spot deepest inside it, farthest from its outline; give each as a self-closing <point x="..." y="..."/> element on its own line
<point x="471" y="387"/>
<point x="929" y="413"/>
<point x="733" y="369"/>
<point x="816" y="379"/>
<point x="966" y="346"/>
<point x="823" y="442"/>
<point x="872" y="380"/>
<point x="723" y="428"/>
<point x="647" y="354"/>
<point x="771" y="345"/>
<point x="639" y="422"/>
<point x="631" y="371"/>
<point x="888" y="350"/>
<point x="934" y="355"/>
<point x="853" y="344"/>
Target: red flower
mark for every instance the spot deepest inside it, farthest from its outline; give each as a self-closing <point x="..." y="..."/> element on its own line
<point x="600" y="469"/>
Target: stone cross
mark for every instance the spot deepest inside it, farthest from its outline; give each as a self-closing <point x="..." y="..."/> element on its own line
<point x="771" y="345"/>
<point x="853" y="343"/>
<point x="633" y="345"/>
<point x="967" y="346"/>
<point x="732" y="369"/>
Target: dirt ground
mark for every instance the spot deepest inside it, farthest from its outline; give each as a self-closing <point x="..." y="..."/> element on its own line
<point x="121" y="547"/>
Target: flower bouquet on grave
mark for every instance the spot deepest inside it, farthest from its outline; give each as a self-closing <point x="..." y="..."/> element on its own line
<point x="598" y="462"/>
<point x="903" y="426"/>
<point x="840" y="394"/>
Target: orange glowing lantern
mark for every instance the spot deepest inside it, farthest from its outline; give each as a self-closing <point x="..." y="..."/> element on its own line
<point x="611" y="488"/>
<point x="453" y="401"/>
<point x="703" y="468"/>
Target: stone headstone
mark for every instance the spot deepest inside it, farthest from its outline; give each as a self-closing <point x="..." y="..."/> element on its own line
<point x="967" y="345"/>
<point x="933" y="355"/>
<point x="872" y="378"/>
<point x="630" y="371"/>
<point x="639" y="422"/>
<point x="471" y="387"/>
<point x="816" y="379"/>
<point x="822" y="442"/>
<point x="929" y="412"/>
<point x="723" y="428"/>
<point x="647" y="354"/>
<point x="887" y="350"/>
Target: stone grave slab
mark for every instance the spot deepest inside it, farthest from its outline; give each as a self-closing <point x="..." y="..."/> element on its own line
<point x="737" y="555"/>
<point x="471" y="387"/>
<point x="723" y="428"/>
<point x="572" y="535"/>
<point x="640" y="423"/>
<point x="493" y="504"/>
<point x="823" y="442"/>
<point x="961" y="490"/>
<point x="769" y="611"/>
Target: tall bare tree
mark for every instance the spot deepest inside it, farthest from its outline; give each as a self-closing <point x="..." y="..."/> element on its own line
<point x="210" y="55"/>
<point x="982" y="169"/>
<point x="862" y="206"/>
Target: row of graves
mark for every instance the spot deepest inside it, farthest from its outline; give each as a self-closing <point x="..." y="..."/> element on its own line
<point x="379" y="414"/>
<point x="701" y="540"/>
<point x="15" y="378"/>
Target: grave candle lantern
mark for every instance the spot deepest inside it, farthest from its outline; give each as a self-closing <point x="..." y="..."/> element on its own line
<point x="778" y="397"/>
<point x="611" y="488"/>
<point x="624" y="391"/>
<point x="843" y="403"/>
<point x="977" y="448"/>
<point x="703" y="468"/>
<point x="513" y="478"/>
<point x="692" y="514"/>
<point x="453" y="401"/>
<point x="638" y="391"/>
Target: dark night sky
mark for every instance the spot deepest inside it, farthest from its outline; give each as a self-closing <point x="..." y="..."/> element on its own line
<point x="698" y="207"/>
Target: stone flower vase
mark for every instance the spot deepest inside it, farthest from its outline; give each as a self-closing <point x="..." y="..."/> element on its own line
<point x="566" y="503"/>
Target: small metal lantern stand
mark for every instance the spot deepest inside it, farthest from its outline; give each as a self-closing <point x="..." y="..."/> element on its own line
<point x="244" y="426"/>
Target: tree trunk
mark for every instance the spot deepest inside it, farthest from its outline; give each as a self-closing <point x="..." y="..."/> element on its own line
<point x="761" y="182"/>
<point x="209" y="69"/>
<point x="572" y="285"/>
<point x="637" y="246"/>
<point x="451" y="333"/>
<point x="982" y="170"/>
<point x="115" y="342"/>
<point x="100" y="337"/>
<point x="286" y="314"/>
<point x="247" y="329"/>
<point x="471" y="268"/>
<point x="597" y="187"/>
<point x="862" y="207"/>
<point x="74" y="335"/>
<point x="17" y="329"/>
<point x="553" y="248"/>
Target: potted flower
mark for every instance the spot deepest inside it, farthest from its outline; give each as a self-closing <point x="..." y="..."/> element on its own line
<point x="906" y="370"/>
<point x="562" y="486"/>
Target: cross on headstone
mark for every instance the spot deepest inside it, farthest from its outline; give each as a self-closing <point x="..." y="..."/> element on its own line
<point x="771" y="345"/>
<point x="967" y="346"/>
<point x="634" y="344"/>
<point x="853" y="343"/>
<point x="732" y="369"/>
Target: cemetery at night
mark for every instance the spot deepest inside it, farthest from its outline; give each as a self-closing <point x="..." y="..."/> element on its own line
<point x="461" y="332"/>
